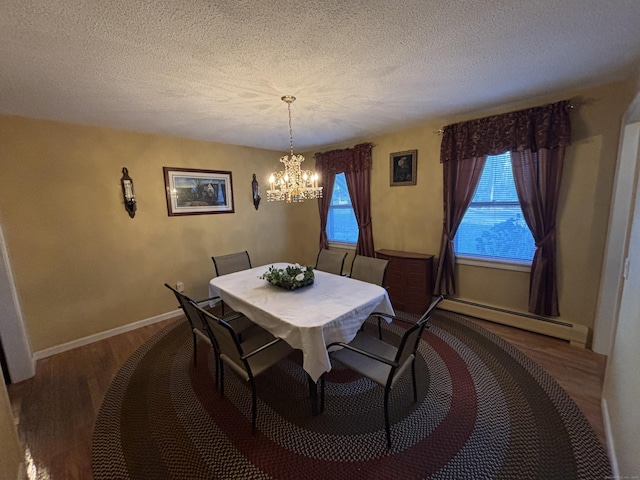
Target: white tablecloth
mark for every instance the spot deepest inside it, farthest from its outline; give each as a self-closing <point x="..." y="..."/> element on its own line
<point x="330" y="310"/>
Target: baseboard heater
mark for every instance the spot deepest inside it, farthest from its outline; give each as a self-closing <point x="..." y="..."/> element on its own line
<point x="576" y="334"/>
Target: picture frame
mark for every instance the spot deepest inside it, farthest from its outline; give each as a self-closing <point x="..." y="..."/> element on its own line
<point x="192" y="191"/>
<point x="403" y="168"/>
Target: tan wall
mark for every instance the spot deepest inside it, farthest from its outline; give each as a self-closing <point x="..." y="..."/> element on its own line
<point x="81" y="265"/>
<point x="409" y="218"/>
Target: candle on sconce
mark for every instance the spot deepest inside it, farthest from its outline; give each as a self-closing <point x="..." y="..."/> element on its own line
<point x="128" y="192"/>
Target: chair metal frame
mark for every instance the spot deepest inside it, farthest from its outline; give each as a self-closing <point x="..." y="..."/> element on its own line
<point x="225" y="264"/>
<point x="239" y="359"/>
<point x="200" y="329"/>
<point x="361" y="275"/>
<point x="410" y="340"/>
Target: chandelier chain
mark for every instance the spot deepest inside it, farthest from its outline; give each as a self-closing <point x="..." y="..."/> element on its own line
<point x="290" y="130"/>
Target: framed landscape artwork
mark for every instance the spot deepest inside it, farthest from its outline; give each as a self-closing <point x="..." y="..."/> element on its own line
<point x="197" y="192"/>
<point x="403" y="168"/>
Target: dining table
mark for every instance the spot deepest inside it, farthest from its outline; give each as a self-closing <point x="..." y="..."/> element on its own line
<point x="332" y="309"/>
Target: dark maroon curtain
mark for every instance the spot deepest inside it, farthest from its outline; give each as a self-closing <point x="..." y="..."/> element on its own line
<point x="548" y="127"/>
<point x="537" y="176"/>
<point x="356" y="164"/>
<point x="527" y="134"/>
<point x="460" y="182"/>
<point x="326" y="180"/>
<point x="358" y="177"/>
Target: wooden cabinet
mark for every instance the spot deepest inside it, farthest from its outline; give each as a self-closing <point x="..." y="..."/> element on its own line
<point x="409" y="278"/>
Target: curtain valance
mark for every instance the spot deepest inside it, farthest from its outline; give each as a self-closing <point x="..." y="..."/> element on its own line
<point x="347" y="160"/>
<point x="548" y="126"/>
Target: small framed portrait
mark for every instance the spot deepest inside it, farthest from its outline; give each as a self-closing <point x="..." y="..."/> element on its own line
<point x="197" y="192"/>
<point x="403" y="168"/>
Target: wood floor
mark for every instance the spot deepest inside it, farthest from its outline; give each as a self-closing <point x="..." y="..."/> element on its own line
<point x="57" y="408"/>
<point x="579" y="371"/>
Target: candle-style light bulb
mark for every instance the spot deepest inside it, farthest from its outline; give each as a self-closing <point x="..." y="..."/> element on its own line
<point x="128" y="191"/>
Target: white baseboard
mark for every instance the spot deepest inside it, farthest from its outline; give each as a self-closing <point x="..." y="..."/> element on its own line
<point x="611" y="450"/>
<point x="47" y="352"/>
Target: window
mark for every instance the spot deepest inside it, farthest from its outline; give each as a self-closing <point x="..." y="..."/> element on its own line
<point x="341" y="222"/>
<point x="493" y="227"/>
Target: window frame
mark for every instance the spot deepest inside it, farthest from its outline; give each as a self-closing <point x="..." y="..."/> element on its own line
<point x="338" y="243"/>
<point x="342" y="245"/>
<point x="488" y="261"/>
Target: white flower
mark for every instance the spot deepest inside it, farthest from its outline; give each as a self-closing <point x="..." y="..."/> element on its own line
<point x="300" y="277"/>
<point x="297" y="265"/>
<point x="303" y="269"/>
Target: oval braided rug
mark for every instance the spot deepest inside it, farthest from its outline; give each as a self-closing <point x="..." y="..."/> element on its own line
<point x="484" y="410"/>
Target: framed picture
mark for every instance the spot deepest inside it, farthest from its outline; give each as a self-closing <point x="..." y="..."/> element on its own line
<point x="403" y="168"/>
<point x="197" y="192"/>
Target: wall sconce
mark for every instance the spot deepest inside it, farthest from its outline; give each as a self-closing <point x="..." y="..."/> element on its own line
<point x="127" y="192"/>
<point x="256" y="191"/>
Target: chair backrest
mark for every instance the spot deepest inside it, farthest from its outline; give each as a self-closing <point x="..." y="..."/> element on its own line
<point x="330" y="261"/>
<point x="427" y="315"/>
<point x="369" y="269"/>
<point x="189" y="310"/>
<point x="233" y="262"/>
<point x="411" y="339"/>
<point x="226" y="341"/>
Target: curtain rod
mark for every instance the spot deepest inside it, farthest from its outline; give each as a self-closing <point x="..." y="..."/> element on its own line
<point x="572" y="106"/>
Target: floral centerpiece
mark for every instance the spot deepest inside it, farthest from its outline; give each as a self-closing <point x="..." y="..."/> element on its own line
<point x="290" y="277"/>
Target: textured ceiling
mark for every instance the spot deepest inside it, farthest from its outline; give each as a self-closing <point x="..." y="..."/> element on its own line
<point x="215" y="70"/>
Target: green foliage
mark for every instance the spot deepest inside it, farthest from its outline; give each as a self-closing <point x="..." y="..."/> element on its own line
<point x="508" y="239"/>
<point x="291" y="277"/>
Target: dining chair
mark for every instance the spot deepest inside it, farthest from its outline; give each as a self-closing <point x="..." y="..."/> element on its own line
<point x="241" y="324"/>
<point x="330" y="261"/>
<point x="370" y="270"/>
<point x="231" y="263"/>
<point x="382" y="362"/>
<point x="248" y="358"/>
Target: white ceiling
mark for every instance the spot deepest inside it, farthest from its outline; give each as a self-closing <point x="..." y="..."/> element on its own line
<point x="215" y="70"/>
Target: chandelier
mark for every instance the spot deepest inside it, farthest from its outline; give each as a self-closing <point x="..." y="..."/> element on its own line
<point x="293" y="184"/>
